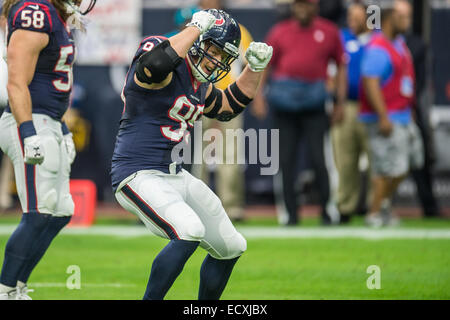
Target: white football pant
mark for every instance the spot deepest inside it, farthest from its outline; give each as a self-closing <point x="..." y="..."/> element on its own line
<point x="41" y="188"/>
<point x="180" y="206"/>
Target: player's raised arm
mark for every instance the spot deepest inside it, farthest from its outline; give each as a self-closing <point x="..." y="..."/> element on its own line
<point x="154" y="68"/>
<point x="227" y="104"/>
<point x="23" y="53"/>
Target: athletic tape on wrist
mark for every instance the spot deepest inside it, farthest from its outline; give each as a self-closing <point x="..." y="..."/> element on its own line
<point x="26" y="129"/>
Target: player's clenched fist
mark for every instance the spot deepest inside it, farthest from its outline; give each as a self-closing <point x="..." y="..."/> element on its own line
<point x="33" y="150"/>
<point x="258" y="56"/>
<point x="32" y="143"/>
<point x="203" y="20"/>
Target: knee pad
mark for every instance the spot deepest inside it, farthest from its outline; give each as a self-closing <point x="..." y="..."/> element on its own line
<point x="49" y="200"/>
<point x="236" y="246"/>
<point x="229" y="247"/>
<point x="66" y="206"/>
<point x="235" y="243"/>
<point x="196" y="230"/>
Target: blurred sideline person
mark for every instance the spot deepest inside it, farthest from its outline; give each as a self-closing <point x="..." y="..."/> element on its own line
<point x="386" y="109"/>
<point x="229" y="178"/>
<point x="303" y="48"/>
<point x="349" y="136"/>
<point x="40" y="55"/>
<point x="6" y="170"/>
<point x="283" y="9"/>
<point x="168" y="87"/>
<point x="423" y="177"/>
<point x="332" y="10"/>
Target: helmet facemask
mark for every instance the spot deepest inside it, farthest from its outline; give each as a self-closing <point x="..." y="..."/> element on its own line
<point x="83" y="7"/>
<point x="77" y="9"/>
<point x="201" y="50"/>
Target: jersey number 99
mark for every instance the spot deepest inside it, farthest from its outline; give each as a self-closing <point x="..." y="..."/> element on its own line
<point x="185" y="120"/>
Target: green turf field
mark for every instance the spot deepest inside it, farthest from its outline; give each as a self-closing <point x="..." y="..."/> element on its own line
<point x="318" y="264"/>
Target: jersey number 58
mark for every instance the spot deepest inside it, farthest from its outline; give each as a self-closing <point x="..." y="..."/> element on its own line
<point x="33" y="18"/>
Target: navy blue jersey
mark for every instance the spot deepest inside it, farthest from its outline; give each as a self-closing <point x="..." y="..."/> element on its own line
<point x="52" y="82"/>
<point x="154" y="121"/>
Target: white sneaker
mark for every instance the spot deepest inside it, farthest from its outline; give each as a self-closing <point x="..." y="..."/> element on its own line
<point x="11" y="295"/>
<point x="389" y="218"/>
<point x="22" y="293"/>
<point x="374" y="221"/>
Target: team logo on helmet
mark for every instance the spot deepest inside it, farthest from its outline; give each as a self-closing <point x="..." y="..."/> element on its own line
<point x="220" y="22"/>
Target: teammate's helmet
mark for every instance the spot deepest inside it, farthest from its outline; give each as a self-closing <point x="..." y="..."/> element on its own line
<point x="226" y="35"/>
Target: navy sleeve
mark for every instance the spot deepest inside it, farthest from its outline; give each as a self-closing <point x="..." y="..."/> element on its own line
<point x="33" y="17"/>
<point x="148" y="44"/>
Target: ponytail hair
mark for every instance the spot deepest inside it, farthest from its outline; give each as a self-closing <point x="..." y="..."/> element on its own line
<point x="7" y="4"/>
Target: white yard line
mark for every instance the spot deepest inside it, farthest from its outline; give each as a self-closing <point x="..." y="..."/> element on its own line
<point x="87" y="285"/>
<point x="339" y="232"/>
<point x="271" y="232"/>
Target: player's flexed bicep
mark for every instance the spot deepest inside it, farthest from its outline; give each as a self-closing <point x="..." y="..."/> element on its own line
<point x="225" y="105"/>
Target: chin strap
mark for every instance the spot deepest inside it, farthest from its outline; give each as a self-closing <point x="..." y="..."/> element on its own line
<point x="196" y="72"/>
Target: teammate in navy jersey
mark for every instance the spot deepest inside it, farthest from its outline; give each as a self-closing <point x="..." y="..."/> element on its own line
<point x="168" y="87"/>
<point x="40" y="55"/>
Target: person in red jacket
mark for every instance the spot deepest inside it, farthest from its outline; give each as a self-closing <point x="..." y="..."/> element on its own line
<point x="387" y="99"/>
<point x="303" y="47"/>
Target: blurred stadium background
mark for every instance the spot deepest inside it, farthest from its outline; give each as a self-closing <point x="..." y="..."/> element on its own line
<point x="114" y="32"/>
<point x="115" y="28"/>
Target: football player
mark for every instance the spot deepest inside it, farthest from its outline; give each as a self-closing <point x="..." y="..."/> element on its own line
<point x="168" y="87"/>
<point x="40" y="55"/>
